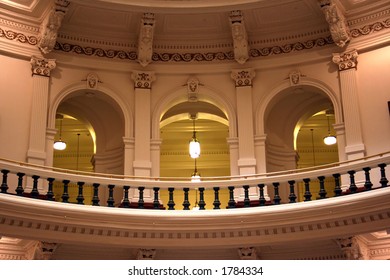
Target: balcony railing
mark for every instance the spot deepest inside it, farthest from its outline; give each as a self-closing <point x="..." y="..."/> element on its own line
<point x="332" y="180"/>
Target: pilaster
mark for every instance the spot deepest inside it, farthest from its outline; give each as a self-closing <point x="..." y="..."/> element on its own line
<point x="243" y="81"/>
<point x="347" y="63"/>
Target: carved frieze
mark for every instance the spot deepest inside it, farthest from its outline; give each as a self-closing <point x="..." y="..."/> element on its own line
<point x="243" y="77"/>
<point x="346" y="60"/>
<point x="42" y="66"/>
<point x="143" y="79"/>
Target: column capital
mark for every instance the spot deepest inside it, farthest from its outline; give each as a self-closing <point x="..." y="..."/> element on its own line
<point x="243" y="77"/>
<point x="346" y="60"/>
<point x="42" y="66"/>
<point x="143" y="79"/>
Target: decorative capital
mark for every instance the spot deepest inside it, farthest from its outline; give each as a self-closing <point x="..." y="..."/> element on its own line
<point x="146" y="254"/>
<point x="42" y="66"/>
<point x="248" y="253"/>
<point x="244" y="77"/>
<point x="346" y="60"/>
<point x="143" y="79"/>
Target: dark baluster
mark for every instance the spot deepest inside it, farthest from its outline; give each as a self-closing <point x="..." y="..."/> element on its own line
<point x="171" y="202"/>
<point x="201" y="203"/>
<point x="80" y="197"/>
<point x="65" y="194"/>
<point x="232" y="202"/>
<point x="307" y="194"/>
<point x="337" y="188"/>
<point x="276" y="190"/>
<point x="156" y="202"/>
<point x="186" y="203"/>
<point x="141" y="197"/>
<point x="126" y="201"/>
<point x="216" y="203"/>
<point x="383" y="179"/>
<point x="95" y="197"/>
<point x="34" y="191"/>
<point x="50" y="193"/>
<point x="292" y="197"/>
<point x="4" y="184"/>
<point x="367" y="183"/>
<point x="110" y="200"/>
<point x="322" y="191"/>
<point x="19" y="189"/>
<point x="352" y="185"/>
<point x="261" y="197"/>
<point x="247" y="202"/>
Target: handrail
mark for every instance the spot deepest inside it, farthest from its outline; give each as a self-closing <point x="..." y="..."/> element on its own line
<point x="207" y="182"/>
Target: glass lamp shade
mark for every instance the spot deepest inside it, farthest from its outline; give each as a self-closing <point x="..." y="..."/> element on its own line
<point x="59" y="145"/>
<point x="195" y="177"/>
<point x="194" y="148"/>
<point x="330" y="140"/>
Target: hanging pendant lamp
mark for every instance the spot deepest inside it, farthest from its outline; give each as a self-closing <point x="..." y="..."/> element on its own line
<point x="60" y="145"/>
<point x="194" y="148"/>
<point x="330" y="139"/>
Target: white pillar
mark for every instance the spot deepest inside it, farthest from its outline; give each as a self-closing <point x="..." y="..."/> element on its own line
<point x="233" y="151"/>
<point x="129" y="156"/>
<point x="155" y="157"/>
<point x="246" y="161"/>
<point x="347" y="63"/>
<point x="36" y="153"/>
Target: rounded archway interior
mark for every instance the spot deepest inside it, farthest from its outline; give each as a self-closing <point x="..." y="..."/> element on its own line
<point x="104" y="118"/>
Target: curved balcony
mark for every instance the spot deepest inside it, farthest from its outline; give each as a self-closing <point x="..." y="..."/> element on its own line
<point x="352" y="207"/>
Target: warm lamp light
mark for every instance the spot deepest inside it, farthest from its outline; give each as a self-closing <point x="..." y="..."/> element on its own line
<point x="60" y="145"/>
<point x="330" y="139"/>
<point x="194" y="148"/>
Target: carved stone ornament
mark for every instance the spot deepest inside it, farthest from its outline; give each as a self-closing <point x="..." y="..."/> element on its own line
<point x="42" y="66"/>
<point x="192" y="89"/>
<point x="350" y="248"/>
<point x="92" y="81"/>
<point x="243" y="78"/>
<point x="143" y="79"/>
<point x="240" y="38"/>
<point x="338" y="26"/>
<point x="146" y="254"/>
<point x="248" y="253"/>
<point x="49" y="29"/>
<point x="295" y="78"/>
<point x="346" y="60"/>
<point x="145" y="39"/>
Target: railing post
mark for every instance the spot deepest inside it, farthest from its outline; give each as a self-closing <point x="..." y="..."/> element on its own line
<point x="110" y="200"/>
<point x="232" y="202"/>
<point x="337" y="188"/>
<point x="307" y="194"/>
<point x="19" y="190"/>
<point x="292" y="196"/>
<point x="80" y="197"/>
<point x="126" y="201"/>
<point x="65" y="194"/>
<point x="276" y="190"/>
<point x="50" y="193"/>
<point x="383" y="179"/>
<point x="322" y="193"/>
<point x="367" y="183"/>
<point x="216" y="203"/>
<point x="186" y="203"/>
<point x="141" y="197"/>
<point x="201" y="203"/>
<point x="352" y="187"/>
<point x="262" y="200"/>
<point x="247" y="202"/>
<point x="156" y="202"/>
<point x="171" y="202"/>
<point x="34" y="191"/>
<point x="95" y="198"/>
<point x="4" y="184"/>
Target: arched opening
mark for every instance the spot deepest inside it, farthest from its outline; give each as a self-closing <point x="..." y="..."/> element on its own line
<point x="93" y="127"/>
<point x="295" y="121"/>
<point x="212" y="130"/>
